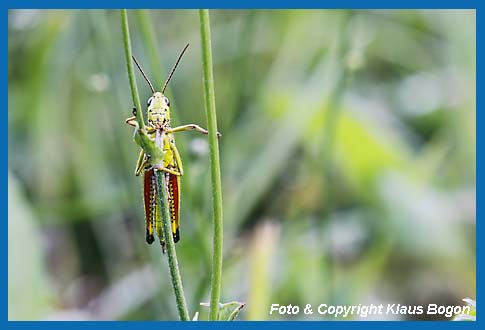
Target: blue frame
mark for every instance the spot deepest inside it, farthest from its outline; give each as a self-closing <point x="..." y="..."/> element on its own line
<point x="370" y="4"/>
<point x="218" y="4"/>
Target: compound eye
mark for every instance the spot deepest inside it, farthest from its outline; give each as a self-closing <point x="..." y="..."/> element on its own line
<point x="150" y="100"/>
<point x="167" y="101"/>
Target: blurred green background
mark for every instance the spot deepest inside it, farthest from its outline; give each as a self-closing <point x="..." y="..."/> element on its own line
<point x="347" y="157"/>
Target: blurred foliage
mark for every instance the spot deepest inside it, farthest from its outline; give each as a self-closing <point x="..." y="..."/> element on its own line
<point x="348" y="161"/>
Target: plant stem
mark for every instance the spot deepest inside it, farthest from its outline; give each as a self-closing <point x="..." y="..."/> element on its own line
<point x="210" y="107"/>
<point x="170" y="245"/>
<point x="162" y="193"/>
<point x="129" y="67"/>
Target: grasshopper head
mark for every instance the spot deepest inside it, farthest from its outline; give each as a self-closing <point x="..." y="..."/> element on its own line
<point x="158" y="110"/>
<point x="158" y="104"/>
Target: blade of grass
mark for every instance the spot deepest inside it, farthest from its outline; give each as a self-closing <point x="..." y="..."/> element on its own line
<point x="129" y="66"/>
<point x="161" y="186"/>
<point x="210" y="107"/>
<point x="170" y="245"/>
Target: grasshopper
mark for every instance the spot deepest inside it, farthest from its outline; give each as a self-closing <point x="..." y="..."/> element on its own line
<point x="159" y="153"/>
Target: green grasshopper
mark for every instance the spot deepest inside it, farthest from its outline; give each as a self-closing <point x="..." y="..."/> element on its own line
<point x="159" y="153"/>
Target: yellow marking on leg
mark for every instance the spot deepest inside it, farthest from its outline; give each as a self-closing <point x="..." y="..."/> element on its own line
<point x="141" y="162"/>
<point x="178" y="159"/>
<point x="164" y="169"/>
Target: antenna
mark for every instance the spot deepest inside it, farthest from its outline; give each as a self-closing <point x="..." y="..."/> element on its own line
<point x="143" y="73"/>
<point x="174" y="67"/>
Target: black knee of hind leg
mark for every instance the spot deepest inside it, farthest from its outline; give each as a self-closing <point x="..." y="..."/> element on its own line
<point x="149" y="238"/>
<point x="176" y="236"/>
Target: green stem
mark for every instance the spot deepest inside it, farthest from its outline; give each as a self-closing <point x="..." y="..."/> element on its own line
<point x="210" y="107"/>
<point x="129" y="67"/>
<point x="170" y="246"/>
<point x="150" y="149"/>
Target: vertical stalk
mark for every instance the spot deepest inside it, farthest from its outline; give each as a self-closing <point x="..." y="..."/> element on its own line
<point x="161" y="187"/>
<point x="210" y="107"/>
<point x="129" y="66"/>
<point x="170" y="245"/>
